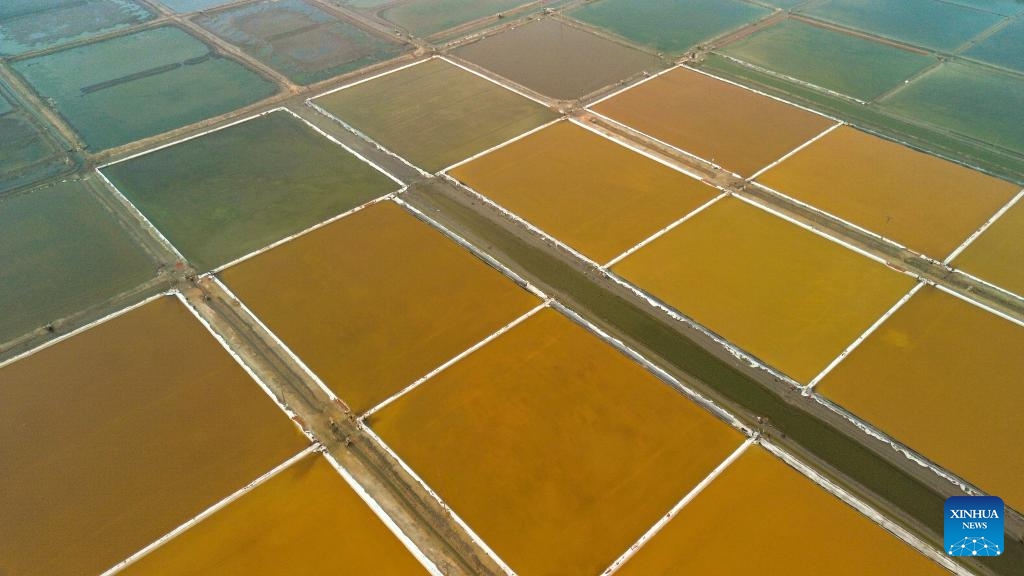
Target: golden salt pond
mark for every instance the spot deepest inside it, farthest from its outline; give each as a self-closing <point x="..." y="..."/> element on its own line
<point x="786" y="295"/>
<point x="116" y="436"/>
<point x="762" y="517"/>
<point x="733" y="127"/>
<point x="376" y="300"/>
<point x="304" y="520"/>
<point x="923" y="202"/>
<point x="995" y="256"/>
<point x="593" y="194"/>
<point x="942" y="375"/>
<point x="556" y="449"/>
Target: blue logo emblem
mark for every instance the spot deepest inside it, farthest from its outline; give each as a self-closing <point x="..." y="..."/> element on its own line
<point x="974" y="526"/>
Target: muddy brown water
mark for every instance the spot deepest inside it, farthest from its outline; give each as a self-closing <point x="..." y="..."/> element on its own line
<point x="556" y="59"/>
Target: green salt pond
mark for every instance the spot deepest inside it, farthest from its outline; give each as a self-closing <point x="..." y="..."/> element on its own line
<point x="183" y="6"/>
<point x="301" y="41"/>
<point x="68" y="22"/>
<point x="669" y="25"/>
<point x="236" y="190"/>
<point x="980" y="103"/>
<point x="26" y="153"/>
<point x="426" y="17"/>
<point x="360" y="3"/>
<point x="1005" y="7"/>
<point x="833" y="60"/>
<point x="131" y="87"/>
<point x="927" y="23"/>
<point x="784" y="4"/>
<point x="62" y="252"/>
<point x="1004" y="48"/>
<point x="18" y="8"/>
<point x="1004" y="163"/>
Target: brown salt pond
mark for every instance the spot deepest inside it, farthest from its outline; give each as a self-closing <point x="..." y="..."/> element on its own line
<point x="304" y="520"/>
<point x="557" y="59"/>
<point x="555" y="448"/>
<point x="376" y="300"/>
<point x="593" y="194"/>
<point x="762" y="517"/>
<point x="923" y="202"/>
<point x="740" y="130"/>
<point x="434" y="113"/>
<point x="941" y="375"/>
<point x="786" y="295"/>
<point x="114" y="437"/>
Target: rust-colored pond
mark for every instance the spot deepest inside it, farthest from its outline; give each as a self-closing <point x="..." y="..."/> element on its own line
<point x="740" y="130"/>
